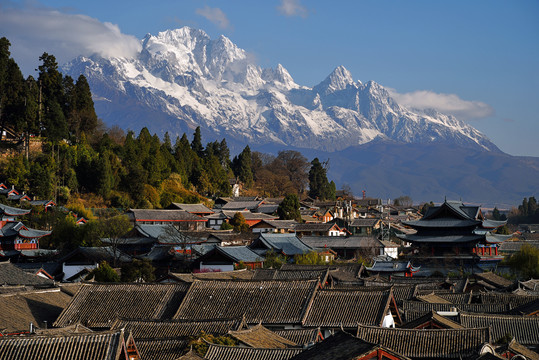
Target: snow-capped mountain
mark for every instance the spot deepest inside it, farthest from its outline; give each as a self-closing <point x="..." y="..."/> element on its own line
<point x="182" y="79"/>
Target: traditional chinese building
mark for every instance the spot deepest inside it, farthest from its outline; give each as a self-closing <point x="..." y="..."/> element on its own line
<point x="454" y="235"/>
<point x="14" y="235"/>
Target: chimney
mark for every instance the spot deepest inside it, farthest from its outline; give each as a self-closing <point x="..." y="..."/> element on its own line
<point x="31" y="327"/>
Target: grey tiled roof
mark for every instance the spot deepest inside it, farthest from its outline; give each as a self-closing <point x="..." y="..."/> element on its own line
<point x="424" y="343"/>
<point x="441" y="239"/>
<point x="415" y="309"/>
<point x="95" y="345"/>
<point x="269" y="302"/>
<point x="260" y="337"/>
<point x="525" y="329"/>
<point x="342" y="242"/>
<point x="301" y="336"/>
<point x="248" y="215"/>
<point x="163" y="233"/>
<point x="343" y="346"/>
<point x="155" y="329"/>
<point x="163" y="215"/>
<point x="433" y="317"/>
<point x="289" y="244"/>
<point x="193" y="208"/>
<point x="241" y="205"/>
<point x="321" y="227"/>
<point x="12" y="275"/>
<point x="99" y="305"/>
<point x="363" y="222"/>
<point x="25" y="307"/>
<point x="239" y="253"/>
<point x="347" y="308"/>
<point x="161" y="349"/>
<point x="97" y="254"/>
<point x="220" y="352"/>
<point x="494" y="279"/>
<point x="13" y="211"/>
<point x="276" y="274"/>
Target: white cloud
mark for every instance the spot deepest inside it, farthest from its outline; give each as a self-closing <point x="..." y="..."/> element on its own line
<point x="34" y="30"/>
<point x="444" y="103"/>
<point x="292" y="8"/>
<point x="215" y="15"/>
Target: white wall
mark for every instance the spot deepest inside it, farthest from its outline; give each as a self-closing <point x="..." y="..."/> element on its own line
<point x="216" y="267"/>
<point x="388" y="320"/>
<point x="70" y="270"/>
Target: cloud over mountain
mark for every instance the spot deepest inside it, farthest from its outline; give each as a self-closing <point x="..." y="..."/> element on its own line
<point x="444" y="103"/>
<point x="62" y="34"/>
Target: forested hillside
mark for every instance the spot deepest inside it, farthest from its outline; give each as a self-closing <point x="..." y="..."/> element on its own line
<point x="79" y="156"/>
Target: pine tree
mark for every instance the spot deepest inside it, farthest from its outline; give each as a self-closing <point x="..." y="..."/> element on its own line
<point x="319" y="186"/>
<point x="241" y="165"/>
<point x="289" y="208"/>
<point x="53" y="98"/>
<point x="196" y="145"/>
<point x="84" y="107"/>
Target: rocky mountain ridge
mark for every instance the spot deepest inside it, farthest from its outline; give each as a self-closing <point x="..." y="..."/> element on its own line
<point x="182" y="79"/>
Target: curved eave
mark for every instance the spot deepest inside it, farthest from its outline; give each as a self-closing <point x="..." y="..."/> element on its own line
<point x="442" y="223"/>
<point x="441" y="239"/>
<point x="496" y="238"/>
<point x="493" y="224"/>
<point x="33" y="234"/>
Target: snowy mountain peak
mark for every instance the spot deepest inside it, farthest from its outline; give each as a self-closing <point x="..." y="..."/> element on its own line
<point x="183" y="79"/>
<point x="339" y="79"/>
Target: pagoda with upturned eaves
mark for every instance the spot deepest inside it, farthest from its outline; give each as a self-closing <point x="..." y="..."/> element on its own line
<point x="455" y="235"/>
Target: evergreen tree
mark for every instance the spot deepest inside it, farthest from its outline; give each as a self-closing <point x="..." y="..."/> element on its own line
<point x="319" y="186"/>
<point x="241" y="165"/>
<point x="12" y="91"/>
<point x="496" y="214"/>
<point x="289" y="208"/>
<point x="224" y="155"/>
<point x="196" y="145"/>
<point x="53" y="99"/>
<point x="103" y="175"/>
<point x="167" y="143"/>
<point x="105" y="273"/>
<point x="524" y="207"/>
<point x="426" y="207"/>
<point x="532" y="205"/>
<point x="84" y="107"/>
<point x="138" y="271"/>
<point x="239" y="223"/>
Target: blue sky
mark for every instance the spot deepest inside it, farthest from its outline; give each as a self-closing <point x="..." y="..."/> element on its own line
<point x="476" y="59"/>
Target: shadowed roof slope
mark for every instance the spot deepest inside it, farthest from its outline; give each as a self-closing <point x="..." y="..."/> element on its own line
<point x="98" y="345"/>
<point x="12" y="275"/>
<point x="301" y="336"/>
<point x="21" y="309"/>
<point x="220" y="352"/>
<point x="422" y="343"/>
<point x="269" y="302"/>
<point x="341" y="346"/>
<point x="152" y="329"/>
<point x="99" y="305"/>
<point x="525" y="329"/>
<point x="260" y="337"/>
<point x="347" y="308"/>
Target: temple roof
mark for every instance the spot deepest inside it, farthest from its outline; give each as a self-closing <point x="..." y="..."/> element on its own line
<point x="451" y="239"/>
<point x="13" y="211"/>
<point x="442" y="222"/>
